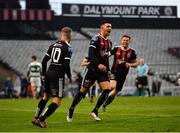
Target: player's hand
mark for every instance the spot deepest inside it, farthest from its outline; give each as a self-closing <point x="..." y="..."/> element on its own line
<point x="102" y="68"/>
<point x="128" y="65"/>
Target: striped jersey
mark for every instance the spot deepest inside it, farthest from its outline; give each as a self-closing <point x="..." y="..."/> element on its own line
<point x="35" y="69"/>
<point x="121" y="57"/>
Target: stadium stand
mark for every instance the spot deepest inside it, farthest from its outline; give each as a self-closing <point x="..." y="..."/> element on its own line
<point x="17" y="53"/>
<point x="32" y="21"/>
<point x="151" y="44"/>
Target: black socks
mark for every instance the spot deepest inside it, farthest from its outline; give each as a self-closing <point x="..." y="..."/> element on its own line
<point x="40" y="108"/>
<point x="101" y="100"/>
<point x="108" y="100"/>
<point x="77" y="99"/>
<point x="51" y="108"/>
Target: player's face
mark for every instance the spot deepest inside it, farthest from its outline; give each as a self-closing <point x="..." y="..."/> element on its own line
<point x="125" y="42"/>
<point x="141" y="61"/>
<point x="32" y="60"/>
<point x="106" y="29"/>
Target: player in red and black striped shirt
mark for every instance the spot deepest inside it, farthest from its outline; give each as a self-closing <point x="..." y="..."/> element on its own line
<point x="124" y="58"/>
<point x="98" y="68"/>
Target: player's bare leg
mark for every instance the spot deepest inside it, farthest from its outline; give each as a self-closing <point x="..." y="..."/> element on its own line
<point x="33" y="90"/>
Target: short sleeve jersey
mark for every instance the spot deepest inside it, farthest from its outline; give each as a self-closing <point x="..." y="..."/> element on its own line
<point x="58" y="53"/>
<point x="101" y="46"/>
<point x="120" y="58"/>
<point x="35" y="69"/>
<point x="142" y="69"/>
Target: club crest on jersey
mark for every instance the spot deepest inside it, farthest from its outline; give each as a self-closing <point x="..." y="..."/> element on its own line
<point x="129" y="55"/>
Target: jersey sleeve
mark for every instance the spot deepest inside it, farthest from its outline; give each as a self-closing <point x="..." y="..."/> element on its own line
<point x="67" y="62"/>
<point x="28" y="71"/>
<point x="111" y="45"/>
<point x="113" y="51"/>
<point x="68" y="54"/>
<point x="49" y="51"/>
<point x="92" y="51"/>
<point x="40" y="65"/>
<point x="146" y="68"/>
<point x="46" y="59"/>
<point x="93" y="42"/>
<point x="134" y="56"/>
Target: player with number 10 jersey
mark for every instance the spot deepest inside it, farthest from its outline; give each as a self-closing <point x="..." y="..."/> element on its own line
<point x="60" y="55"/>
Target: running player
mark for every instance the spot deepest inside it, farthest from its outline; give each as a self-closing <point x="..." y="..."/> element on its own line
<point x="98" y="68"/>
<point x="124" y="58"/>
<point x="60" y="55"/>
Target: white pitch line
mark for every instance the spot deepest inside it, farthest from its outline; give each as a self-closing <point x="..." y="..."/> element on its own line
<point x="102" y="113"/>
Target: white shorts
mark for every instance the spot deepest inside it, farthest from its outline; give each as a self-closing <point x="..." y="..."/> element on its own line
<point x="35" y="81"/>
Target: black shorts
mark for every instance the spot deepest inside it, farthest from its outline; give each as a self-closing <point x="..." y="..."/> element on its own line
<point x="54" y="84"/>
<point x="91" y="76"/>
<point x="119" y="81"/>
<point x="143" y="80"/>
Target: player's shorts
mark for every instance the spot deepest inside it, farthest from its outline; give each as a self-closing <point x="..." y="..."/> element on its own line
<point x="91" y="76"/>
<point x="119" y="81"/>
<point x="143" y="80"/>
<point x="35" y="81"/>
<point x="54" y="84"/>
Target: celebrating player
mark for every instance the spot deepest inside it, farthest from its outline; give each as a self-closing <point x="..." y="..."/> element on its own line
<point x="98" y="68"/>
<point x="124" y="58"/>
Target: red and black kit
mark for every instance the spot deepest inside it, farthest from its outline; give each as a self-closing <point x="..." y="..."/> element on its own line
<point x="99" y="49"/>
<point x="119" y="69"/>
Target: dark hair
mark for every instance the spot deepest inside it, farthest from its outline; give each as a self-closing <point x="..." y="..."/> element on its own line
<point x="33" y="57"/>
<point x="126" y="36"/>
<point x="104" y="22"/>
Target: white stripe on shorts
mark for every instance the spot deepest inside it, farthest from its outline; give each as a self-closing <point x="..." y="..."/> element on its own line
<point x="60" y="87"/>
<point x="85" y="72"/>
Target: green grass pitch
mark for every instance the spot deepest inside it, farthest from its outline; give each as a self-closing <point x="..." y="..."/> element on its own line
<point x="125" y="114"/>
